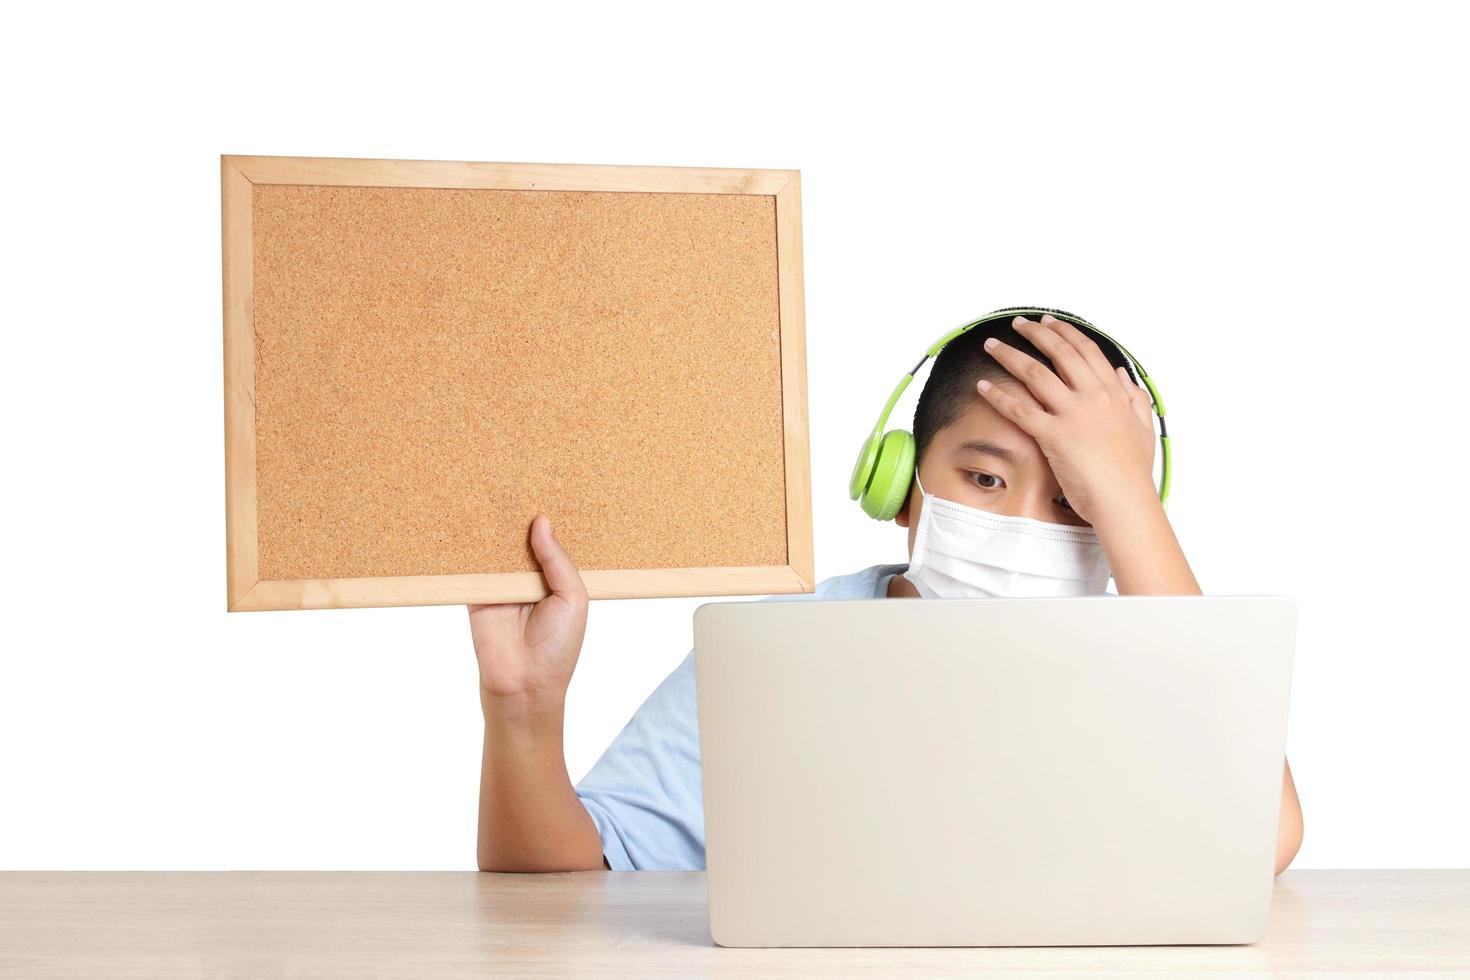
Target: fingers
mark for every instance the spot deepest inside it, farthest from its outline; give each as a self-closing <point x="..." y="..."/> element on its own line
<point x="561" y="574"/>
<point x="1142" y="404"/>
<point x="1075" y="369"/>
<point x="1023" y="410"/>
<point x="1083" y="347"/>
<point x="1045" y="385"/>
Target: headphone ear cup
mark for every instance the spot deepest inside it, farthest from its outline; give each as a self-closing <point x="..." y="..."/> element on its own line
<point x="857" y="484"/>
<point x="893" y="472"/>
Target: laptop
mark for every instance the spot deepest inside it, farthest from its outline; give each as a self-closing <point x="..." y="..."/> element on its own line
<point x="1091" y="770"/>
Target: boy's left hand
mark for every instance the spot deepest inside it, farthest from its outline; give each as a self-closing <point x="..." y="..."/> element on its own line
<point x="1094" y="425"/>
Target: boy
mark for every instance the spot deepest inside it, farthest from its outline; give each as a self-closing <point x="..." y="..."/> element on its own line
<point x="1034" y="419"/>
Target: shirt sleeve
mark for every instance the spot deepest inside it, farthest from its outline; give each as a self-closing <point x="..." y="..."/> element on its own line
<point x="644" y="793"/>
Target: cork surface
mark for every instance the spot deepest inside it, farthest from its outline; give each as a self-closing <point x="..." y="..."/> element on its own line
<point x="434" y="366"/>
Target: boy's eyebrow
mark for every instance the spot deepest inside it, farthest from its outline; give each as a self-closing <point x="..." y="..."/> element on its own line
<point x="989" y="449"/>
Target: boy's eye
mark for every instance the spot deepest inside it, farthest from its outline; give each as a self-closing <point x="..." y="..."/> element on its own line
<point x="981" y="477"/>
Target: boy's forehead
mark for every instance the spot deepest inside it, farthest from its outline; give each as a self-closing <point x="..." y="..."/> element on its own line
<point x="980" y="427"/>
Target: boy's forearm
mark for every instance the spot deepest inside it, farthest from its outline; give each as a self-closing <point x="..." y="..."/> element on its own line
<point x="1142" y="550"/>
<point x="530" y="816"/>
<point x="1289" y="828"/>
<point x="1147" y="560"/>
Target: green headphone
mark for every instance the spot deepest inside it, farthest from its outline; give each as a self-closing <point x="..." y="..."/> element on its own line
<point x="885" y="465"/>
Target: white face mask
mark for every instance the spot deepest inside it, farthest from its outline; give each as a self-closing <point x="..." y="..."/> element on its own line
<point x="966" y="552"/>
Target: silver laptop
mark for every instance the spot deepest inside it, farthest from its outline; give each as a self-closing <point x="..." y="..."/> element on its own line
<point x="1097" y="770"/>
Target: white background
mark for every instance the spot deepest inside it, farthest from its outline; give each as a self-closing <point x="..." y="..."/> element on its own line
<point x="1267" y="204"/>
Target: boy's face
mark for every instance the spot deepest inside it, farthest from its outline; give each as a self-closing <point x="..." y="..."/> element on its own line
<point x="1019" y="483"/>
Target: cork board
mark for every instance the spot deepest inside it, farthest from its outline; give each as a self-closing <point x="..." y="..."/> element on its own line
<point x="420" y="356"/>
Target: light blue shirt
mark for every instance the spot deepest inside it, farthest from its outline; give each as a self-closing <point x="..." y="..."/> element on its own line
<point x="644" y="793"/>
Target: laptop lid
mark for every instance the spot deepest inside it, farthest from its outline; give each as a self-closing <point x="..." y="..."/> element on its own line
<point x="1092" y="770"/>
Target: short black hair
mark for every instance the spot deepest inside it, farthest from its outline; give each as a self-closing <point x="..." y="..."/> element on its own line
<point x="951" y="386"/>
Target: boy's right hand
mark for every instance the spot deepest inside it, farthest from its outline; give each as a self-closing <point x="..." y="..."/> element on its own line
<point x="527" y="651"/>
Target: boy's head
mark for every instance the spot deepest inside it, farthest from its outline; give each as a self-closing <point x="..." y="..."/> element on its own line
<point x="968" y="452"/>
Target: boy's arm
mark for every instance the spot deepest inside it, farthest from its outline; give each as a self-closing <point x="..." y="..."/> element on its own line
<point x="1096" y="428"/>
<point x="1142" y="551"/>
<point x="1289" y="835"/>
<point x="530" y="817"/>
<point x="1146" y="560"/>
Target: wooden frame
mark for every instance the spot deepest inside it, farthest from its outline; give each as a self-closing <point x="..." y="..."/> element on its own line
<point x="246" y="591"/>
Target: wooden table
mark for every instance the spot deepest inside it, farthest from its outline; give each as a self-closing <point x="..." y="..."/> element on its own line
<point x="609" y="924"/>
